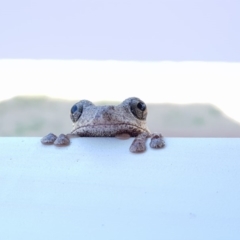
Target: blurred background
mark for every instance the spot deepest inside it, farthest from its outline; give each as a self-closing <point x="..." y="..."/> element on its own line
<point x="182" y="57"/>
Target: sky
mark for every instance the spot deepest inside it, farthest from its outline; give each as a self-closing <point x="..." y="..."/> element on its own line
<point x="216" y="83"/>
<point x="139" y="30"/>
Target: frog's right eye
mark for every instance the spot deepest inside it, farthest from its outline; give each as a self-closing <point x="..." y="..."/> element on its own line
<point x="76" y="111"/>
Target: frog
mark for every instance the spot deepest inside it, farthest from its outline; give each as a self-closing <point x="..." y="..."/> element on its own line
<point x="128" y="119"/>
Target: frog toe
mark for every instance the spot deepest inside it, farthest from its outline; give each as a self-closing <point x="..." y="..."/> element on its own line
<point x="49" y="139"/>
<point x="139" y="143"/>
<point x="138" y="147"/>
<point x="62" y="140"/>
<point x="157" y="141"/>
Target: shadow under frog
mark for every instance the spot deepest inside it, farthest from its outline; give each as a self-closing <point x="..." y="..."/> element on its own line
<point x="125" y="119"/>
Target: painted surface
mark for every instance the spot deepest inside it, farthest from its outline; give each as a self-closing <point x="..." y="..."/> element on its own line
<point x="97" y="189"/>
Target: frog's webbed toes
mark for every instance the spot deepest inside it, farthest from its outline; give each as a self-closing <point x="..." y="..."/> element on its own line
<point x="157" y="141"/>
<point x="62" y="140"/>
<point x="49" y="139"/>
<point x="138" y="147"/>
<point x="139" y="143"/>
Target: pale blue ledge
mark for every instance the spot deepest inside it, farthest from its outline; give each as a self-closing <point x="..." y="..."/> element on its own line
<point x="97" y="189"/>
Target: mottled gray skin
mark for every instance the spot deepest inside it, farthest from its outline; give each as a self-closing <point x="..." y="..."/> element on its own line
<point x="110" y="121"/>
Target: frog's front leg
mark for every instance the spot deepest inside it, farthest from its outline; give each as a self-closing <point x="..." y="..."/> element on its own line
<point x="139" y="143"/>
<point x="61" y="140"/>
<point x="157" y="141"/>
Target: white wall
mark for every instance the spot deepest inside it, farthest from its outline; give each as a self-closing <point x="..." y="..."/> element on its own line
<point x="204" y="30"/>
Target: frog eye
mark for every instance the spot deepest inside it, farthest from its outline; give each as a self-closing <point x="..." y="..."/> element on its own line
<point x="138" y="109"/>
<point x="76" y="111"/>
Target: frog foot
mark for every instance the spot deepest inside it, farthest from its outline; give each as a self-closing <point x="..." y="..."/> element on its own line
<point x="139" y="143"/>
<point x="157" y="141"/>
<point x="61" y="140"/>
<point x="49" y="139"/>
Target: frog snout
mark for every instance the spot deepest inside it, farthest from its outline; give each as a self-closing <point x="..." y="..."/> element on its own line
<point x="105" y="114"/>
<point x="108" y="113"/>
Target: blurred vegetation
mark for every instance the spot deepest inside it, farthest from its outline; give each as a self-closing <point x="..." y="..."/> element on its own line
<point x="37" y="116"/>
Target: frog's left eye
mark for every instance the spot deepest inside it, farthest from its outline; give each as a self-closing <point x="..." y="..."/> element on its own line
<point x="138" y="108"/>
<point x="76" y="111"/>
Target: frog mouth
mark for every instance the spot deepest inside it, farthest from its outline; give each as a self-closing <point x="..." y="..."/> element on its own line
<point x="109" y="130"/>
